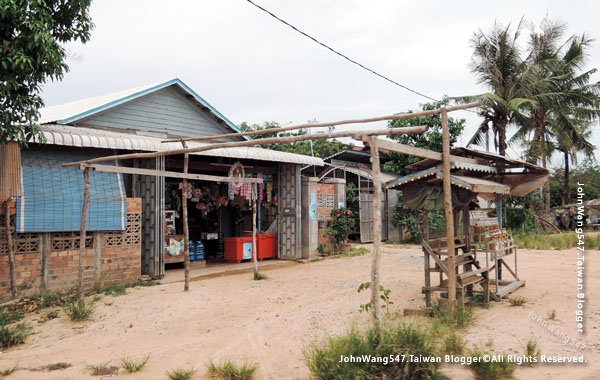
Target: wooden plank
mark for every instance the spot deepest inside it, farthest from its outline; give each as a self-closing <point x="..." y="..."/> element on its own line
<point x="421" y="152"/>
<point x="82" y="233"/>
<point x="11" y="249"/>
<point x="505" y="290"/>
<point x="10" y="170"/>
<point x="397" y="116"/>
<point x="160" y="173"/>
<point x="238" y="144"/>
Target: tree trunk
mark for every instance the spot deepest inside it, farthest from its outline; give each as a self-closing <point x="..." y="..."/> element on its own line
<point x="535" y="152"/>
<point x="82" y="234"/>
<point x="501" y="128"/>
<point x="566" y="184"/>
<point x="447" y="187"/>
<point x="546" y="188"/>
<point x="11" y="250"/>
<point x="377" y="196"/>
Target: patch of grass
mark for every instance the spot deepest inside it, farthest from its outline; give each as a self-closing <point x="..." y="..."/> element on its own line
<point x="45" y="299"/>
<point x="115" y="290"/>
<point x="144" y="283"/>
<point x="552" y="315"/>
<point x="260" y="276"/>
<point x="532" y="350"/>
<point x="454" y="344"/>
<point x="52" y="314"/>
<point x="229" y="370"/>
<point x="463" y="317"/>
<point x="58" y="366"/>
<point x="556" y="241"/>
<point x="79" y="312"/>
<point x="360" y="251"/>
<point x="490" y="370"/>
<point x="181" y="374"/>
<point x="9" y="316"/>
<point x="517" y="301"/>
<point x="396" y="339"/>
<point x="131" y="366"/>
<point x="7" y="371"/>
<point x="102" y="369"/>
<point x="11" y="335"/>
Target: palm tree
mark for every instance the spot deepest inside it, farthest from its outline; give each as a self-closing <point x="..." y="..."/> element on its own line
<point x="558" y="86"/>
<point x="498" y="65"/>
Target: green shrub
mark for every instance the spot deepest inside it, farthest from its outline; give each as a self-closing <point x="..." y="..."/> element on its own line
<point x="454" y="344"/>
<point x="13" y="335"/>
<point x="80" y="312"/>
<point x="323" y="359"/>
<point x="490" y="370"/>
<point x="517" y="301"/>
<point x="556" y="241"/>
<point x="181" y="374"/>
<point x="228" y="370"/>
<point x="533" y="350"/>
<point x="102" y="369"/>
<point x="131" y="365"/>
<point x="58" y="366"/>
<point x="463" y="317"/>
<point x="7" y="316"/>
<point x="115" y="290"/>
<point x="260" y="276"/>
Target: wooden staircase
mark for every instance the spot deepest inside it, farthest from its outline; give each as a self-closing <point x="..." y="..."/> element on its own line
<point x="469" y="272"/>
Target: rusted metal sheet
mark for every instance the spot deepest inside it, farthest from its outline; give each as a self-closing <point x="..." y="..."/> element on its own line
<point x="10" y="170"/>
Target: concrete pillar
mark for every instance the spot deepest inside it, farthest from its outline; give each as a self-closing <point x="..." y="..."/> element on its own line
<point x="394" y="229"/>
<point x="310" y="226"/>
<point x="340" y="191"/>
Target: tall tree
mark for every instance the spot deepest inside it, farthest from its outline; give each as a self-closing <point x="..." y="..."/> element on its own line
<point x="31" y="52"/>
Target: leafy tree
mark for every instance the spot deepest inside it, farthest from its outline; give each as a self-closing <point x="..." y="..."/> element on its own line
<point x="587" y="173"/>
<point x="32" y="34"/>
<point x="432" y="139"/>
<point x="321" y="148"/>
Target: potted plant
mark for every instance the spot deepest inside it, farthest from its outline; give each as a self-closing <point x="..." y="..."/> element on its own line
<point x="340" y="225"/>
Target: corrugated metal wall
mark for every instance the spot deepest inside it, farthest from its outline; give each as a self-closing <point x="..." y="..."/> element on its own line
<point x="164" y="111"/>
<point x="53" y="195"/>
<point x="10" y="170"/>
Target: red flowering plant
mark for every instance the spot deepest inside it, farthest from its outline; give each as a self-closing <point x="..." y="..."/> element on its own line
<point x="340" y="225"/>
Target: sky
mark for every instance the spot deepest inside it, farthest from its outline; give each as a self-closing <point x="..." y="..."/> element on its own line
<point x="253" y="68"/>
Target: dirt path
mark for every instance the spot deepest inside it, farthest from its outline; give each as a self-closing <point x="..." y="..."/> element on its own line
<point x="269" y="322"/>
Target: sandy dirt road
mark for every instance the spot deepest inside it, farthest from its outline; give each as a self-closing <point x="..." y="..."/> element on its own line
<point x="270" y="322"/>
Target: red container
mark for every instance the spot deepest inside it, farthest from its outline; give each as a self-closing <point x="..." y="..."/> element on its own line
<point x="238" y="249"/>
<point x="266" y="245"/>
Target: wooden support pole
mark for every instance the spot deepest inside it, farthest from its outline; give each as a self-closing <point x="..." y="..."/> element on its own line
<point x="448" y="213"/>
<point x="377" y="195"/>
<point x="82" y="235"/>
<point x="11" y="250"/>
<point x="397" y="116"/>
<point x="237" y="144"/>
<point x="426" y="258"/>
<point x="186" y="227"/>
<point x="254" y="247"/>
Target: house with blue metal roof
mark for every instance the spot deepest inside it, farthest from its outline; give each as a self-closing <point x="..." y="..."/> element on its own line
<point x="134" y="220"/>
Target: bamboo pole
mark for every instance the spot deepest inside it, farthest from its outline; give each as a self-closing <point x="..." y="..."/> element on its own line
<point x="448" y="213"/>
<point x="82" y="235"/>
<point x="375" y="280"/>
<point x="254" y="248"/>
<point x="237" y="144"/>
<point x="426" y="258"/>
<point x="186" y="228"/>
<point x="327" y="124"/>
<point x="11" y="250"/>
